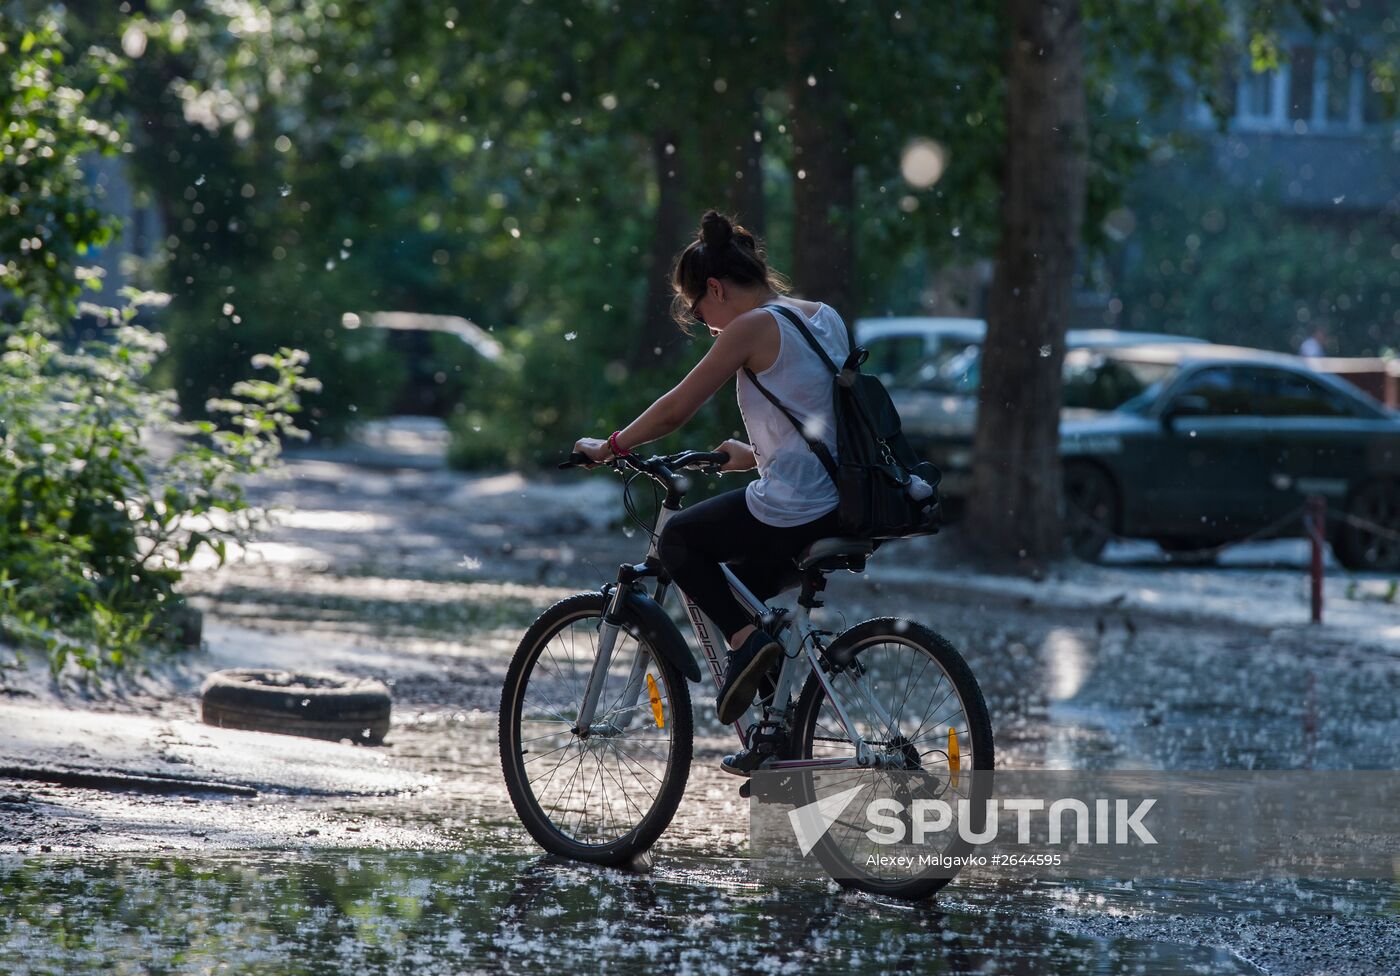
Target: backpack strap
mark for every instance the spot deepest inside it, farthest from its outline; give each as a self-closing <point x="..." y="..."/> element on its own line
<point x="818" y="448"/>
<point x="792" y="317"/>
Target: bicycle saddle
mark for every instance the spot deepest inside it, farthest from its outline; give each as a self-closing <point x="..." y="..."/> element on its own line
<point x="837" y="552"/>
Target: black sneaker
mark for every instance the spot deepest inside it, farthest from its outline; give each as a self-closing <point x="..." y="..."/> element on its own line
<point x="744" y="762"/>
<point x="747" y="666"/>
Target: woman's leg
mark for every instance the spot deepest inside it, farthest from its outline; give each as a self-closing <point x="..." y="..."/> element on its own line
<point x="768" y="573"/>
<point x="694" y="543"/>
<point x="722" y="530"/>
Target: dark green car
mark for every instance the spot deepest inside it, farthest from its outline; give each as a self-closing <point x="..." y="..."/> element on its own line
<point x="1227" y="443"/>
<point x="1197" y="445"/>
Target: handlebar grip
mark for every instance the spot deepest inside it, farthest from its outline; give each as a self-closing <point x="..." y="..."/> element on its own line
<point x="699" y="459"/>
<point x="576" y="458"/>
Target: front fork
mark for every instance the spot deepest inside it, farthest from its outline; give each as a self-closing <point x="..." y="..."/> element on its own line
<point x="607" y="640"/>
<point x="627" y="578"/>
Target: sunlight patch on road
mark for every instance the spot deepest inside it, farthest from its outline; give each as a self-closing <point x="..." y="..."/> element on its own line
<point x="322" y="520"/>
<point x="1066" y="662"/>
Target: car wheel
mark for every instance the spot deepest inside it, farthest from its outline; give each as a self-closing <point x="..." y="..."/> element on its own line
<point x="1361" y="547"/>
<point x="320" y="706"/>
<point x="1091" y="510"/>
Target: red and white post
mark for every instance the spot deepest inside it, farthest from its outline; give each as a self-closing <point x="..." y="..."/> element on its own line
<point x="1315" y="520"/>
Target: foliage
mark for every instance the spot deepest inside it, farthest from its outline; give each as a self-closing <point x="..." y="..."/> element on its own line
<point x="46" y="123"/>
<point x="95" y="526"/>
<point x="493" y="160"/>
<point x="105" y="495"/>
<point x="1215" y="263"/>
<point x="543" y="434"/>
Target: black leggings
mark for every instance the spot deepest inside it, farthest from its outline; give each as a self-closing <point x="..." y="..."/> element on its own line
<point x="723" y="530"/>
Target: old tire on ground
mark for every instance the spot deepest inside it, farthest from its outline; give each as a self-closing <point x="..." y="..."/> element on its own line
<point x="321" y="706"/>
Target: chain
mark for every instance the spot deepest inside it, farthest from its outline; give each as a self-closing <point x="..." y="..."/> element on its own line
<point x="1358" y="522"/>
<point x="1252" y="537"/>
<point x="828" y="738"/>
<point x="1353" y="520"/>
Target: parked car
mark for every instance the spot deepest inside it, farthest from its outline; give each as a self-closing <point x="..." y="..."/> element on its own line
<point x="932" y="367"/>
<point x="898" y="346"/>
<point x="1228" y="442"/>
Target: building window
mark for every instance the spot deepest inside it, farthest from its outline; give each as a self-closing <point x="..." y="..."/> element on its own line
<point x="1301" y="63"/>
<point x="1334" y="87"/>
<point x="1343" y="69"/>
<point x="1259" y="98"/>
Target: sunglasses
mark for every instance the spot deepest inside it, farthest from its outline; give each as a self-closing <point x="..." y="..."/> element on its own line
<point x="695" y="310"/>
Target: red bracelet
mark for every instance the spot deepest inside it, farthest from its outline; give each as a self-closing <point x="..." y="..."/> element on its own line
<point x="612" y="445"/>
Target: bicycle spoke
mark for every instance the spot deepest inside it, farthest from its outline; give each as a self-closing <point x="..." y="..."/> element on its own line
<point x="541" y="755"/>
<point x="597" y="789"/>
<point x="922" y="699"/>
<point x="634" y="762"/>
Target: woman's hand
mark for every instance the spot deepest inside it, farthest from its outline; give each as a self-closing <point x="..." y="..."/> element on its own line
<point x="596" y="448"/>
<point x="740" y="456"/>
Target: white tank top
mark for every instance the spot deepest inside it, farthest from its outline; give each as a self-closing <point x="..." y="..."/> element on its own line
<point x="793" y="488"/>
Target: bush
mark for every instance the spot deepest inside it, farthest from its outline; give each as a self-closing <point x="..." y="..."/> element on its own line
<point x="95" y="528"/>
<point x="94" y="532"/>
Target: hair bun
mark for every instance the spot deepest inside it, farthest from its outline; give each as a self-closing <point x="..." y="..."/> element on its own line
<point x="715" y="229"/>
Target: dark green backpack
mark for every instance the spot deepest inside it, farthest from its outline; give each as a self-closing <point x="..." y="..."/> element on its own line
<point x="875" y="471"/>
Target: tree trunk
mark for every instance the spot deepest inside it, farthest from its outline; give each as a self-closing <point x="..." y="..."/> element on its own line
<point x="660" y="340"/>
<point x="1014" y="512"/>
<point x="745" y="170"/>
<point x="823" y="231"/>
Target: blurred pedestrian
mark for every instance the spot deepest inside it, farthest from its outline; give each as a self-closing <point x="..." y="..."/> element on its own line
<point x="1316" y="344"/>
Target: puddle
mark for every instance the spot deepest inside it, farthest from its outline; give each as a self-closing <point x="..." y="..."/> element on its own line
<point x="334" y="912"/>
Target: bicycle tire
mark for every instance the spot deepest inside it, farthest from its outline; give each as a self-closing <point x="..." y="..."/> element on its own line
<point x="674" y="694"/>
<point x="849" y="645"/>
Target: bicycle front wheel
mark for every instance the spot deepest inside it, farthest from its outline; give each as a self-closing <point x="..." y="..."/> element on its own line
<point x="915" y="703"/>
<point x="607" y="796"/>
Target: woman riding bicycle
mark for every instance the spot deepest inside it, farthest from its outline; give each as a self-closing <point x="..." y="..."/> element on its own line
<point x="723" y="282"/>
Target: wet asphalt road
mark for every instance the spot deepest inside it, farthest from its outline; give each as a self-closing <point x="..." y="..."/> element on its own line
<point x="465" y="890"/>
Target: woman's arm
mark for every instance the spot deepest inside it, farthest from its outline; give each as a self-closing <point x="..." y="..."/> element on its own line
<point x="741" y="456"/>
<point x="671" y="411"/>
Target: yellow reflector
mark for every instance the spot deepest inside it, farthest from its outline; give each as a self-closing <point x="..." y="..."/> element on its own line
<point x="954" y="753"/>
<point x="655" y="702"/>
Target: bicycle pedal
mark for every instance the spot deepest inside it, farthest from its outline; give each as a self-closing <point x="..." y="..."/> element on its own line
<point x="746" y="789"/>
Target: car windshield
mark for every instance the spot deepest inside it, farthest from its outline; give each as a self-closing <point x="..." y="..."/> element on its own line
<point x="1143" y="401"/>
<point x="1094" y="380"/>
<point x="956" y="368"/>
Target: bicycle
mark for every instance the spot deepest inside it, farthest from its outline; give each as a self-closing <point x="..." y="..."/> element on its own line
<point x="596" y="728"/>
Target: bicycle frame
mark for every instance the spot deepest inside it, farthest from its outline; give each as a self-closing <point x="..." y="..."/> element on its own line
<point x="799" y="649"/>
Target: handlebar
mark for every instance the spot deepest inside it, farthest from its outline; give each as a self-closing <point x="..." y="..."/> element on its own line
<point x="658" y="465"/>
<point x="661" y="468"/>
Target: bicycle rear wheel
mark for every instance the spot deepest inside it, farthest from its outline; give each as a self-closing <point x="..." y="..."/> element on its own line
<point x="915" y="702"/>
<point x="606" y="797"/>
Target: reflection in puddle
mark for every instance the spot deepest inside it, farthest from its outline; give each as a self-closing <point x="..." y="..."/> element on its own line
<point x="360" y="911"/>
